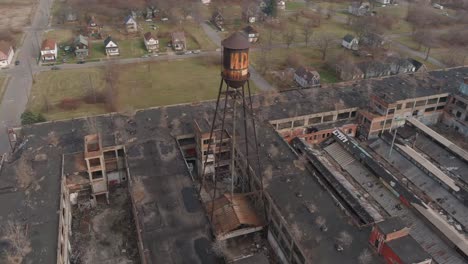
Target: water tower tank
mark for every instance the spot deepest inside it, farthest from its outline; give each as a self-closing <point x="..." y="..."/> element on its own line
<point x="236" y="60"/>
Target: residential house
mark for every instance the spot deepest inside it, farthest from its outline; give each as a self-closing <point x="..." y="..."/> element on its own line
<point x="151" y="42"/>
<point x="400" y="65"/>
<point x="359" y="8"/>
<point x="417" y="64"/>
<point x="350" y="42"/>
<point x="6" y="54"/>
<point x="384" y="2"/>
<point x="178" y="41"/>
<point x="252" y="12"/>
<point x="81" y="46"/>
<point x="206" y="2"/>
<point x="112" y="49"/>
<point x="131" y="24"/>
<point x="218" y="20"/>
<point x="149" y="13"/>
<point x="49" y="50"/>
<point x="281" y="5"/>
<point x="307" y="77"/>
<point x="371" y="69"/>
<point x="251" y="34"/>
<point x="93" y="28"/>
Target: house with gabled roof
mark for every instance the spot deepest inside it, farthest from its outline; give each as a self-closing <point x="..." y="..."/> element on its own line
<point x="350" y="42"/>
<point x="179" y="42"/>
<point x="6" y="54"/>
<point x="307" y="77"/>
<point x="81" y="46"/>
<point x="251" y="33"/>
<point x="131" y="24"/>
<point x="151" y="42"/>
<point x="112" y="49"/>
<point x="49" y="50"/>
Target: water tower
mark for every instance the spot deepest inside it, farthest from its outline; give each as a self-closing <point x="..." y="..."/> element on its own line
<point x="233" y="113"/>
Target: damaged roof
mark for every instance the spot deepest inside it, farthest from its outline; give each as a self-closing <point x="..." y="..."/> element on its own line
<point x="173" y="223"/>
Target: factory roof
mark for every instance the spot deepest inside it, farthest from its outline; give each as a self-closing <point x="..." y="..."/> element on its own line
<point x="408" y="250"/>
<point x="391" y="225"/>
<point x="273" y="106"/>
<point x="29" y="181"/>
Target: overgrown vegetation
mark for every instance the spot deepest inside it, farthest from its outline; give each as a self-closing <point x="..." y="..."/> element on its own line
<point x="28" y="118"/>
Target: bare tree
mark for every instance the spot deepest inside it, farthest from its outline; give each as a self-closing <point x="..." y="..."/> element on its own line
<point x="307" y="32"/>
<point x="289" y="35"/>
<point x="16" y="236"/>
<point x="425" y="38"/>
<point x="111" y="75"/>
<point x="323" y="43"/>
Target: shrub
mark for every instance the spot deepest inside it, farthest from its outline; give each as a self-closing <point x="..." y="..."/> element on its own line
<point x="29" y="117"/>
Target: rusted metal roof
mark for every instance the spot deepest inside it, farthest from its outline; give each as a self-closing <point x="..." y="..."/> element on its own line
<point x="230" y="213"/>
<point x="236" y="41"/>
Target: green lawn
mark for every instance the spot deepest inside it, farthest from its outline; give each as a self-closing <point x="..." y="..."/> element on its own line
<point x="139" y="86"/>
<point x="293" y="6"/>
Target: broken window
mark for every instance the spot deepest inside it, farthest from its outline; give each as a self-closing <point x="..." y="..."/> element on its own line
<point x="441" y="107"/>
<point x="315" y="120"/>
<point x="299" y="123"/>
<point x="430" y="109"/>
<point x="415" y="112"/>
<point x="93" y="146"/>
<point x="443" y="99"/>
<point x="95" y="175"/>
<point x="409" y="105"/>
<point x="343" y="116"/>
<point x="432" y="101"/>
<point x="353" y="114"/>
<point x="398" y="107"/>
<point x="285" y="125"/>
<point x="328" y="118"/>
<point x="458" y="114"/>
<point x="391" y="111"/>
<point x="420" y="102"/>
<point x="94" y="162"/>
<point x="207" y="141"/>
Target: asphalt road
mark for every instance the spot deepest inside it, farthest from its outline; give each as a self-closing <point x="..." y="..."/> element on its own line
<point x="19" y="86"/>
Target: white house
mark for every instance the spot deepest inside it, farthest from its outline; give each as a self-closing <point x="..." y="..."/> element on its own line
<point x="350" y="42"/>
<point x="49" y="50"/>
<point x="384" y="2"/>
<point x="206" y="2"/>
<point x="112" y="49"/>
<point x="131" y="24"/>
<point x="306" y="77"/>
<point x="281" y="5"/>
<point x="6" y="54"/>
<point x="251" y="34"/>
<point x="151" y="42"/>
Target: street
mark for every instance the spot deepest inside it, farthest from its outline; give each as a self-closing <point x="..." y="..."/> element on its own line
<point x="17" y="91"/>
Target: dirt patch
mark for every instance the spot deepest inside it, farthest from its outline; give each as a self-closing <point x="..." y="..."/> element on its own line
<point x="106" y="233"/>
<point x="15" y="16"/>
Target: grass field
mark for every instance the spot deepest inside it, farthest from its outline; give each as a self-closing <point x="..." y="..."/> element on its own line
<point x="294" y="6"/>
<point x="139" y="86"/>
<point x="2" y="86"/>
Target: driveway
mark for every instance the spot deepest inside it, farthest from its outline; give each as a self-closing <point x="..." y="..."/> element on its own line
<point x="18" y="88"/>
